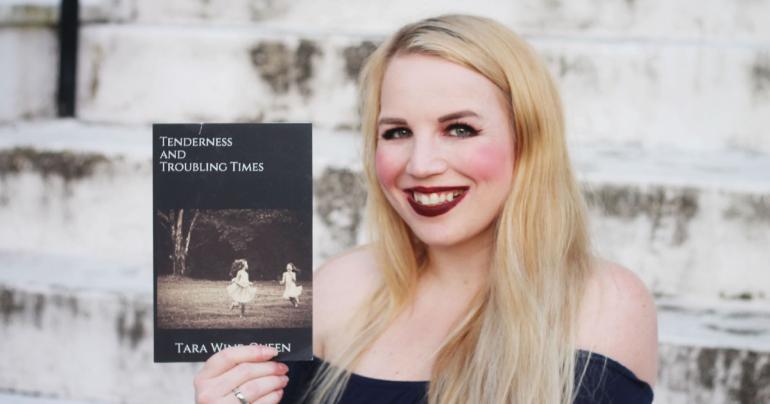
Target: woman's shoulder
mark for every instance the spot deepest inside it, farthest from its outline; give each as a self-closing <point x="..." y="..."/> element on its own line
<point x="340" y="285"/>
<point x="618" y="319"/>
<point x="358" y="264"/>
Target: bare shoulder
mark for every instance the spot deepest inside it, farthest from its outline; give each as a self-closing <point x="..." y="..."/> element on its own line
<point x="618" y="320"/>
<point x="340" y="285"/>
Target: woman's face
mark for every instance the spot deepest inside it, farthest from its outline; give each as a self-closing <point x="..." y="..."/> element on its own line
<point x="444" y="156"/>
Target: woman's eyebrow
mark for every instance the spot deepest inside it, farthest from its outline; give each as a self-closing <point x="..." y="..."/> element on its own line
<point x="458" y="114"/>
<point x="444" y="118"/>
<point x="391" y="121"/>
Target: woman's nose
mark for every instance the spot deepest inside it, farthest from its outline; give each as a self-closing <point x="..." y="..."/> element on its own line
<point x="426" y="158"/>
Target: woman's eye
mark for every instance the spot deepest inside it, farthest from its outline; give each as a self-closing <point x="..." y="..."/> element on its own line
<point x="461" y="130"/>
<point x="396" y="133"/>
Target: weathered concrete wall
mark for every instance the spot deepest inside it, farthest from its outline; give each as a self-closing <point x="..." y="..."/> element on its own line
<point x="697" y="73"/>
<point x="94" y="345"/>
<point x="697" y="233"/>
<point x="28" y="79"/>
<point x="667" y="105"/>
<point x="139" y="74"/>
<point x="98" y="344"/>
<point x="713" y="375"/>
<point x="76" y="202"/>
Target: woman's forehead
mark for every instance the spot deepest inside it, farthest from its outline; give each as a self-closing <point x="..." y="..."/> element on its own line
<point x="416" y="82"/>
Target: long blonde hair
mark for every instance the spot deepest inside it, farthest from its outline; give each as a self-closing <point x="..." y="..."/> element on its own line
<point x="516" y="342"/>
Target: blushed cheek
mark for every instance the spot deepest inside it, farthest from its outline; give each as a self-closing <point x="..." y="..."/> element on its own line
<point x="490" y="162"/>
<point x="386" y="167"/>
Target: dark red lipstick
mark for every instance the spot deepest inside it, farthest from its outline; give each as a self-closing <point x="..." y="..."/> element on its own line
<point x="437" y="209"/>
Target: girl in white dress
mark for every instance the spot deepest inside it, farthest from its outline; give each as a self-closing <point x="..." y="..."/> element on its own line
<point x="292" y="291"/>
<point x="240" y="288"/>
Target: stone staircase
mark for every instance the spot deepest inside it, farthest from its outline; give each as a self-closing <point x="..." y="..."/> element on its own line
<point x="667" y="107"/>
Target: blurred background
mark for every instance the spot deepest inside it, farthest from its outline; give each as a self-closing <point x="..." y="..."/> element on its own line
<point x="667" y="106"/>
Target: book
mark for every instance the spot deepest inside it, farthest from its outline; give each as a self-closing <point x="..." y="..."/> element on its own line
<point x="232" y="239"/>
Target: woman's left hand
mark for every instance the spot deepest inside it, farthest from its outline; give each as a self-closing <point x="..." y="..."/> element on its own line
<point x="241" y="373"/>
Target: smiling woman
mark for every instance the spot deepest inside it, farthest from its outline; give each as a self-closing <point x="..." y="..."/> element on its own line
<point x="479" y="285"/>
<point x="443" y="148"/>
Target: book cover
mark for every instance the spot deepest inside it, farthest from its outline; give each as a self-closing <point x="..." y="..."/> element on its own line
<point x="232" y="242"/>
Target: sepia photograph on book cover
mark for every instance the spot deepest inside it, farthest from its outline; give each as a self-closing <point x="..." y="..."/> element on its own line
<point x="232" y="242"/>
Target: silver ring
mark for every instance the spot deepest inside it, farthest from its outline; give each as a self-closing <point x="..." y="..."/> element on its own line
<point x="240" y="396"/>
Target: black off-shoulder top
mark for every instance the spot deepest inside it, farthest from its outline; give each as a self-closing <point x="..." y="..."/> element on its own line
<point x="605" y="382"/>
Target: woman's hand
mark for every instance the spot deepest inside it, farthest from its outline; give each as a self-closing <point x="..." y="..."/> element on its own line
<point x="246" y="369"/>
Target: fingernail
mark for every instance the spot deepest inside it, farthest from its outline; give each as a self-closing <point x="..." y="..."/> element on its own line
<point x="284" y="368"/>
<point x="285" y="379"/>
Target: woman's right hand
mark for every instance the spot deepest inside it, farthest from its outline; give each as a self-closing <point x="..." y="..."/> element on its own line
<point x="246" y="368"/>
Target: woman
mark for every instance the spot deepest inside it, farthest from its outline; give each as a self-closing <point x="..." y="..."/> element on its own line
<point x="291" y="290"/>
<point x="240" y="288"/>
<point x="479" y="285"/>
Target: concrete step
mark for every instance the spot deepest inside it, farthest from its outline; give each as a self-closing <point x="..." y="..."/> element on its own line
<point x="93" y="340"/>
<point x="45" y="13"/>
<point x="29" y="70"/>
<point x="688" y="96"/>
<point x="151" y="73"/>
<point x="21" y="398"/>
<point x="690" y="19"/>
<point x="684" y="221"/>
<point x="84" y="189"/>
<point x="705" y="92"/>
<point x="87" y="192"/>
<point x="712" y="375"/>
<point x="710" y="20"/>
<point x="690" y="224"/>
<point x="30" y="49"/>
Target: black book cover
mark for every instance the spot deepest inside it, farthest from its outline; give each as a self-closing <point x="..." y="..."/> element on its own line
<point x="232" y="243"/>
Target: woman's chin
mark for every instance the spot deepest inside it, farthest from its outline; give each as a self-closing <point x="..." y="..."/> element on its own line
<point x="451" y="238"/>
<point x="439" y="241"/>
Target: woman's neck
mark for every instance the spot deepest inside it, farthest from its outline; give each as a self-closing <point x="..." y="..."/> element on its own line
<point x="463" y="266"/>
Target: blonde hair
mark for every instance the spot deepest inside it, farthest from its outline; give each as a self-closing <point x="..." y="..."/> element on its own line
<point x="516" y="342"/>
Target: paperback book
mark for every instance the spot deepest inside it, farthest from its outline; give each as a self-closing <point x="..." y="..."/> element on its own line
<point x="232" y="239"/>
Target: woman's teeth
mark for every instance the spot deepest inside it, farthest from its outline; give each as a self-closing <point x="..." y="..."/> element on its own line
<point x="435" y="198"/>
